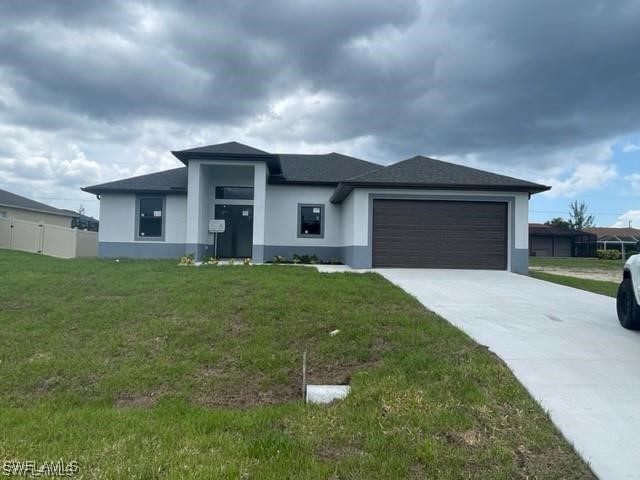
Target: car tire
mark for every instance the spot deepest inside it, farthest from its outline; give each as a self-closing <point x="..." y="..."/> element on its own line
<point x="627" y="307"/>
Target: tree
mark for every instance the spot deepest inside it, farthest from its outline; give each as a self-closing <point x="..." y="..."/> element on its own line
<point x="579" y="218"/>
<point x="558" y="222"/>
<point x="81" y="210"/>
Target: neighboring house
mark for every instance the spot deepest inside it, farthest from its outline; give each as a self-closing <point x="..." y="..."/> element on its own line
<point x="22" y="208"/>
<point x="623" y="239"/>
<point x="552" y="241"/>
<point x="83" y="222"/>
<point x="418" y="212"/>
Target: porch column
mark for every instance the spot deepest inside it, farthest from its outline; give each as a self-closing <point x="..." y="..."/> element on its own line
<point x="259" y="200"/>
<point x="192" y="239"/>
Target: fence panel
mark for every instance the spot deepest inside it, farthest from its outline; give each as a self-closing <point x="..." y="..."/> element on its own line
<point x="86" y="243"/>
<point x="58" y="241"/>
<point x="5" y="233"/>
<point x="47" y="239"/>
<point x="27" y="236"/>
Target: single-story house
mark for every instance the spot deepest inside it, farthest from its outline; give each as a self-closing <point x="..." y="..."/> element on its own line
<point x="553" y="241"/>
<point x="623" y="239"/>
<point x="418" y="212"/>
<point x="22" y="208"/>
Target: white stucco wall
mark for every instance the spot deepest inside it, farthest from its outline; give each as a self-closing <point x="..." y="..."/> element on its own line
<point x="522" y="220"/>
<point x="117" y="218"/>
<point x="347" y="223"/>
<point x="281" y="217"/>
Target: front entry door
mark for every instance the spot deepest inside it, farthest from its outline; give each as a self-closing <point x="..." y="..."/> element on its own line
<point x="237" y="239"/>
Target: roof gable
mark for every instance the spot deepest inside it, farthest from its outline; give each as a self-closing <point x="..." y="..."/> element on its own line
<point x="8" y="199"/>
<point x="226" y="148"/>
<point x="429" y="171"/>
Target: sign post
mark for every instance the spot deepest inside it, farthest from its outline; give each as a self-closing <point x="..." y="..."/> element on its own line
<point x="216" y="226"/>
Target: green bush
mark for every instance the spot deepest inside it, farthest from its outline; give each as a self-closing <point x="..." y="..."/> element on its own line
<point x="609" y="254"/>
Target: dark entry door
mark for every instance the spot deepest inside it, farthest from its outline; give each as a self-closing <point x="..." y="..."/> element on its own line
<point x="237" y="240"/>
<point x="439" y="234"/>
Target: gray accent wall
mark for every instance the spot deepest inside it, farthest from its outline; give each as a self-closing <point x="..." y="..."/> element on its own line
<point x="356" y="256"/>
<point x="520" y="260"/>
<point x="140" y="250"/>
<point x="288" y="251"/>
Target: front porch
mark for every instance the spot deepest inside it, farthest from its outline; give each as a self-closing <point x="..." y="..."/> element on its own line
<point x="229" y="190"/>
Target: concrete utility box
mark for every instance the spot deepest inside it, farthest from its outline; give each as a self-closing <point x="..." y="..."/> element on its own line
<point x="326" y="393"/>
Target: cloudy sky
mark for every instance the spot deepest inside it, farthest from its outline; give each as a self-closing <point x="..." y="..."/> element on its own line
<point x="548" y="91"/>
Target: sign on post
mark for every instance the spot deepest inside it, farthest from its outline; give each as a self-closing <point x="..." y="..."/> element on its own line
<point x="216" y="226"/>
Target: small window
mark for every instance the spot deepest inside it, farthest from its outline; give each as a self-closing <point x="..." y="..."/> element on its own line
<point x="234" y="193"/>
<point x="150" y="221"/>
<point x="3" y="214"/>
<point x="310" y="220"/>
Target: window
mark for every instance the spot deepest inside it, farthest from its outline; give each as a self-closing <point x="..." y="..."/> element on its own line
<point x="3" y="214"/>
<point x="234" y="193"/>
<point x="150" y="218"/>
<point x="311" y="221"/>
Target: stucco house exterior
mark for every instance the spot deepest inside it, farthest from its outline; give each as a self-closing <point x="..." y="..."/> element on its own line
<point x="23" y="208"/>
<point x="419" y="212"/>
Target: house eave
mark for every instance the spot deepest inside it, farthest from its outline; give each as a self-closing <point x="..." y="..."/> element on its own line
<point x="344" y="189"/>
<point x="101" y="191"/>
<point x="272" y="161"/>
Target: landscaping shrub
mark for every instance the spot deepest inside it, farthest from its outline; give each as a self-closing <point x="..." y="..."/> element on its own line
<point x="609" y="254"/>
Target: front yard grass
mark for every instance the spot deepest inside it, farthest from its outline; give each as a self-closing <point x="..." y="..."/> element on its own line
<point x="576" y="262"/>
<point x="596" y="286"/>
<point x="143" y="369"/>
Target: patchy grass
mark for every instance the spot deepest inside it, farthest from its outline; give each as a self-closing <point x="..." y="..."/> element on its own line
<point x="596" y="286"/>
<point x="143" y="369"/>
<point x="575" y="262"/>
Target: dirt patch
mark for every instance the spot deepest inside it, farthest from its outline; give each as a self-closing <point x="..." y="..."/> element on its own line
<point x="242" y="391"/>
<point x="136" y="400"/>
<point x="248" y="395"/>
<point x="586" y="273"/>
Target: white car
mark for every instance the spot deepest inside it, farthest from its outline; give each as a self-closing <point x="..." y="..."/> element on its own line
<point x="628" y="300"/>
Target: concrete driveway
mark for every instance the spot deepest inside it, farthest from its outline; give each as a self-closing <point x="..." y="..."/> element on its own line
<point x="564" y="345"/>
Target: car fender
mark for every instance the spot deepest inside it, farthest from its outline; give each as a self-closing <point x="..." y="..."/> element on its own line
<point x="632" y="269"/>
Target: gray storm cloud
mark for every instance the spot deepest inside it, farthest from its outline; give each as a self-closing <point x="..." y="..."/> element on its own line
<point x="507" y="83"/>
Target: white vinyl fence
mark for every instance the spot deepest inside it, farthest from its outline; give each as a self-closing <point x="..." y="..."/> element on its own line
<point x="47" y="239"/>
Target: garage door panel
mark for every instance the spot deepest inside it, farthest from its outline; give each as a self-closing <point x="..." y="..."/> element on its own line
<point x="439" y="234"/>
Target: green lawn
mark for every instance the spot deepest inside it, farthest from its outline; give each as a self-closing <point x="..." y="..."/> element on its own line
<point x="575" y="262"/>
<point x="596" y="286"/>
<point x="143" y="369"/>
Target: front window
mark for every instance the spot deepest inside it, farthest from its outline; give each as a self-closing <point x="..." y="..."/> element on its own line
<point x="310" y="220"/>
<point x="234" y="193"/>
<point x="150" y="219"/>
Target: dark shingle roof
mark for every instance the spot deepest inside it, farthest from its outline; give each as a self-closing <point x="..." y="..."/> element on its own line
<point x="329" y="168"/>
<point x="425" y="172"/>
<point x="551" y="230"/>
<point x="174" y="180"/>
<point x="8" y="199"/>
<point x="228" y="148"/>
<point x="429" y="171"/>
<point x="332" y="168"/>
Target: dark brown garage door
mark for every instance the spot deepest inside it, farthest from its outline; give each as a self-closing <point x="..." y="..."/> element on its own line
<point x="439" y="234"/>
